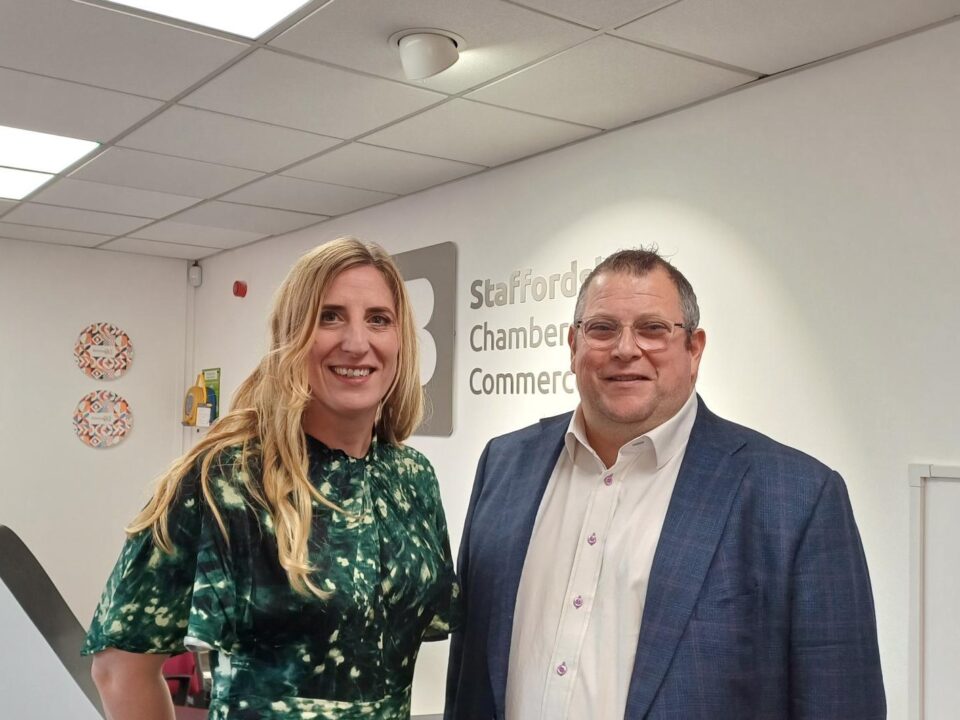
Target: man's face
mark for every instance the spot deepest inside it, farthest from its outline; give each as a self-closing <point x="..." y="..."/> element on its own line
<point x="625" y="391"/>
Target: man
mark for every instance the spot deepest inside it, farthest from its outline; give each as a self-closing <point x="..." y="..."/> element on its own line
<point x="643" y="558"/>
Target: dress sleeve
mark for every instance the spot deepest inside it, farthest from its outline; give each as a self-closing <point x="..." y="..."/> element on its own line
<point x="145" y="605"/>
<point x="448" y="609"/>
<point x="155" y="602"/>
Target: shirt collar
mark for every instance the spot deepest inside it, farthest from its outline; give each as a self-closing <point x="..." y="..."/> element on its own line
<point x="667" y="439"/>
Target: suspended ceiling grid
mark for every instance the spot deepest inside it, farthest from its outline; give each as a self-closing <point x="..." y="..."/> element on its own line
<point x="210" y="141"/>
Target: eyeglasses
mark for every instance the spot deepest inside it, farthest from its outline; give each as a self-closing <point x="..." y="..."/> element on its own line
<point x="650" y="334"/>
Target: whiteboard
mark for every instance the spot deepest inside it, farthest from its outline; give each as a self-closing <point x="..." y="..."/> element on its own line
<point x="934" y="692"/>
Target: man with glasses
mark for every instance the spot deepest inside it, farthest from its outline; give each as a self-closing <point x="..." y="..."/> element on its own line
<point x="643" y="558"/>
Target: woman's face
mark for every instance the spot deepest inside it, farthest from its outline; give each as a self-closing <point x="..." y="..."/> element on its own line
<point x="356" y="343"/>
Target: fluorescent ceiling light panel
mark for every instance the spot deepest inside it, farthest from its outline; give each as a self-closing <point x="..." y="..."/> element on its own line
<point x="39" y="151"/>
<point x="17" y="184"/>
<point x="249" y="18"/>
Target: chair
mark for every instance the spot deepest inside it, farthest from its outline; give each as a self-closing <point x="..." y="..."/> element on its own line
<point x="182" y="673"/>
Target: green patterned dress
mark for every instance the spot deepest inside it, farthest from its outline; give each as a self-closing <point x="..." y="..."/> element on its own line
<point x="385" y="561"/>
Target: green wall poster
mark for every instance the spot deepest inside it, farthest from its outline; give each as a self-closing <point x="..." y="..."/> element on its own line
<point x="211" y="378"/>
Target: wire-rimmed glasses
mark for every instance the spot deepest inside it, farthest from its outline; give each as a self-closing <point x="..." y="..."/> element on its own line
<point x="650" y="334"/>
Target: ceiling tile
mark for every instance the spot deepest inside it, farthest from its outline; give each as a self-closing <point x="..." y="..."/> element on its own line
<point x="73" y="219"/>
<point x="271" y="87"/>
<point x="383" y="169"/>
<point x="608" y="13"/>
<point x="498" y="37"/>
<point x="65" y="108"/>
<point x="162" y="249"/>
<point x="609" y="82"/>
<point x="476" y="133"/>
<point x="290" y="193"/>
<point x="773" y="35"/>
<point x="163" y="173"/>
<point x="247" y="218"/>
<point x="75" y="41"/>
<point x="50" y="235"/>
<point x="225" y="139"/>
<point x="113" y="198"/>
<point x="183" y="233"/>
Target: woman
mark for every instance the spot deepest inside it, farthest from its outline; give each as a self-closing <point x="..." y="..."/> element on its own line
<point x="300" y="537"/>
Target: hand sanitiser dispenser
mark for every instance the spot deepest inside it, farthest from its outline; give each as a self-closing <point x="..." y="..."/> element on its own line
<point x="195" y="398"/>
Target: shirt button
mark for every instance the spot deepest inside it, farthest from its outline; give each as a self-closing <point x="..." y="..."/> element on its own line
<point x="578" y="602"/>
<point x="608" y="480"/>
<point x="562" y="669"/>
<point x="592" y="540"/>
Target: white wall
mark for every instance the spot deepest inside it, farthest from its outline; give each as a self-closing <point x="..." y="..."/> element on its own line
<point x="68" y="502"/>
<point x="816" y="216"/>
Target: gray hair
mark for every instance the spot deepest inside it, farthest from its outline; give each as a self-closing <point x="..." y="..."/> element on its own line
<point x="639" y="262"/>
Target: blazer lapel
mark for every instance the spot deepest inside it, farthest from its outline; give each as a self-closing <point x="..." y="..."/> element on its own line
<point x="708" y="481"/>
<point x="530" y="469"/>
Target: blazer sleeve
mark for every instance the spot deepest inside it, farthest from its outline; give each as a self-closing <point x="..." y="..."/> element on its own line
<point x="457" y="645"/>
<point x="834" y="658"/>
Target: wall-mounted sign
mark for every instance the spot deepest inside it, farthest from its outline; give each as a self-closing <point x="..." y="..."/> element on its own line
<point x="102" y="419"/>
<point x="431" y="277"/>
<point x="103" y="351"/>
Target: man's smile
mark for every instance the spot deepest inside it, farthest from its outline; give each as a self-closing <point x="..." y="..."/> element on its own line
<point x="627" y="377"/>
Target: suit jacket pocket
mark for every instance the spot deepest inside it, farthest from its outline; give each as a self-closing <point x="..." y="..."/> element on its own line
<point x="723" y="633"/>
<point x="728" y="604"/>
<point x="715" y="667"/>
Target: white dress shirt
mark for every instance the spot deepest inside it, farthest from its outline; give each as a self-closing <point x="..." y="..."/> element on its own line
<point x="584" y="582"/>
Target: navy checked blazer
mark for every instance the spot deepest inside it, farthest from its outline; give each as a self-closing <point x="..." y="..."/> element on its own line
<point x="758" y="607"/>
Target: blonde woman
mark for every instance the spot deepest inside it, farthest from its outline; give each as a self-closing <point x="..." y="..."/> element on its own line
<point x="300" y="537"/>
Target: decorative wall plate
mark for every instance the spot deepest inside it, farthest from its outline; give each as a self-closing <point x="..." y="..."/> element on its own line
<point x="102" y="419"/>
<point x="103" y="351"/>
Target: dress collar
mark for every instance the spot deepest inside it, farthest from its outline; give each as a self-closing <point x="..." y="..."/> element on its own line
<point x="327" y="452"/>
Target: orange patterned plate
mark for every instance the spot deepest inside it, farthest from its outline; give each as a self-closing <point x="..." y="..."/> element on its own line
<point x="102" y="419"/>
<point x="103" y="351"/>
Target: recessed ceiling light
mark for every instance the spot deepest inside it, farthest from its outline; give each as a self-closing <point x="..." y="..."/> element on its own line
<point x="249" y="19"/>
<point x="17" y="184"/>
<point x="29" y="150"/>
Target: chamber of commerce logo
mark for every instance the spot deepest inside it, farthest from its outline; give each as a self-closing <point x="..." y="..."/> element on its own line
<point x="431" y="279"/>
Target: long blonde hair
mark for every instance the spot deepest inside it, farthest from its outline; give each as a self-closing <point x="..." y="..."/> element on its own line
<point x="267" y="410"/>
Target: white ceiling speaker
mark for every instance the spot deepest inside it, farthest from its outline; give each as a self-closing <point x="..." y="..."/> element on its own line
<point x="424" y="52"/>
